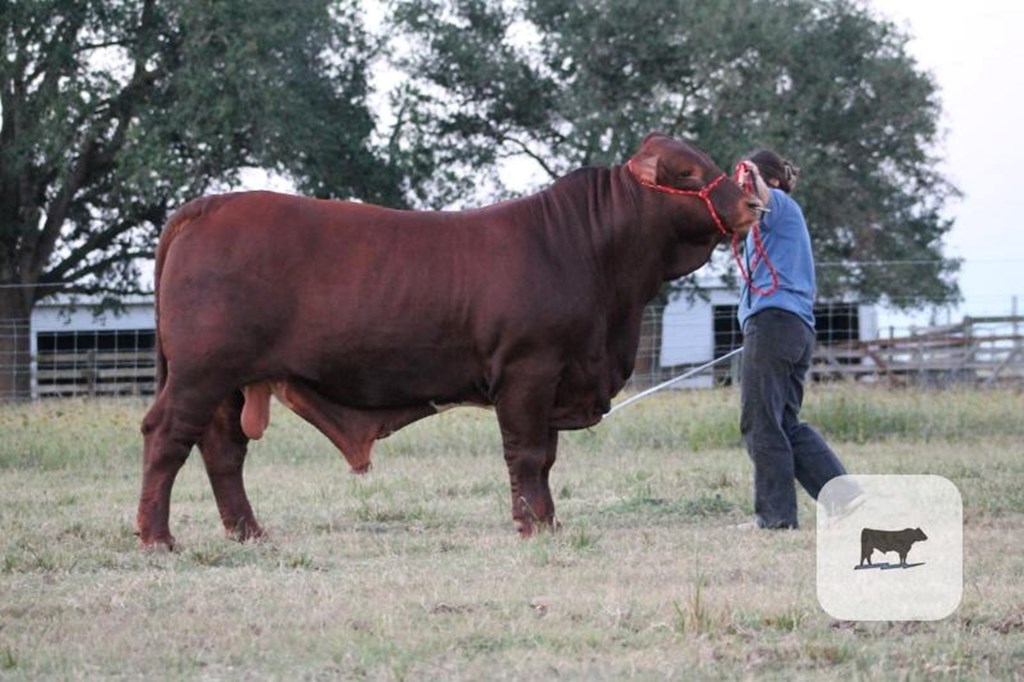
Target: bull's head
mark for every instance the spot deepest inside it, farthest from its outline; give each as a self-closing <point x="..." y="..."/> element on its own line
<point x="675" y="167"/>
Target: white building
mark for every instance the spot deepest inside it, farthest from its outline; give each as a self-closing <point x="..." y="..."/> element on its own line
<point x="78" y="350"/>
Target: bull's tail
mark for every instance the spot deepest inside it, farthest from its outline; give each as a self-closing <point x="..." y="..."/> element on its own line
<point x="172" y="228"/>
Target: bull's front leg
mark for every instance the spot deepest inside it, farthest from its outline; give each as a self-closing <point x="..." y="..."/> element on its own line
<point x="530" y="445"/>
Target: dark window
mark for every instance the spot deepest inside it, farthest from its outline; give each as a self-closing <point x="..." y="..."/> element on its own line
<point x="835" y="322"/>
<point x="98" y="340"/>
<point x="728" y="335"/>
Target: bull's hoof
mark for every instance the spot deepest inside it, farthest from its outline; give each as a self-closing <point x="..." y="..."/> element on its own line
<point x="530" y="522"/>
<point x="156" y="544"/>
<point x="245" y="531"/>
<point x="151" y="538"/>
<point x="526" y="532"/>
<point x="529" y="528"/>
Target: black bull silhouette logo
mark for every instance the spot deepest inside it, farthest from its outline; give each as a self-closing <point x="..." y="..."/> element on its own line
<point x="899" y="541"/>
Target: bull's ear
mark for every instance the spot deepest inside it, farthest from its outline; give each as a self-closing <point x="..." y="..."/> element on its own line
<point x="652" y="136"/>
<point x="644" y="165"/>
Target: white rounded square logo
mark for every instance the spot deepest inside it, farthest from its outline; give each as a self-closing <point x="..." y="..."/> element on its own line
<point x="890" y="547"/>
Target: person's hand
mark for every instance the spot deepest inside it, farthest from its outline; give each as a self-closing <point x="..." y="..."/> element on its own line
<point x="748" y="177"/>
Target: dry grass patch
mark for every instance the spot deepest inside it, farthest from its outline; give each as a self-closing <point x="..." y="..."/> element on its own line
<point x="414" y="571"/>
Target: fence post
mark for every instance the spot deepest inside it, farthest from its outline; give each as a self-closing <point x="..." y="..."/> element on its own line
<point x="91" y="372"/>
<point x="1016" y="323"/>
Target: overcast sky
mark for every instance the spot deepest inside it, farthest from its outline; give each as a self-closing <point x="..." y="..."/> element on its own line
<point x="975" y="52"/>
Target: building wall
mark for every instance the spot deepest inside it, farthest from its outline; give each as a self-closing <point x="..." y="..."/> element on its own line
<point x="57" y="317"/>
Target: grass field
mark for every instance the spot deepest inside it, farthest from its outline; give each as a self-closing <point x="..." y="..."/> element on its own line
<point x="414" y="570"/>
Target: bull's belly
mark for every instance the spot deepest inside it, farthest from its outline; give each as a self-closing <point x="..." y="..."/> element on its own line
<point x="445" y="386"/>
<point x="410" y="375"/>
<point x="415" y="381"/>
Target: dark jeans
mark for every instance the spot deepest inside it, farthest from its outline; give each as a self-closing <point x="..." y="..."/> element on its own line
<point x="777" y="348"/>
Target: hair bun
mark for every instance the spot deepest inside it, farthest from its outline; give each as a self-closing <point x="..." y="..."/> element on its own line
<point x="774" y="167"/>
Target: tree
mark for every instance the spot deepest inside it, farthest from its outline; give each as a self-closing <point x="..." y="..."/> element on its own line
<point x="115" y="112"/>
<point x="824" y="81"/>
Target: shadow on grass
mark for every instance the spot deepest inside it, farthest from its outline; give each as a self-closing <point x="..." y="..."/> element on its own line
<point x="886" y="566"/>
<point x="694" y="508"/>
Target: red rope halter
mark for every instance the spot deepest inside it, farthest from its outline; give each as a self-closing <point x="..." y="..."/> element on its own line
<point x="704" y="194"/>
<point x="745" y="175"/>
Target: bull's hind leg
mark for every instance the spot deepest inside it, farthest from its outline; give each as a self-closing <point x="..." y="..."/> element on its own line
<point x="223" y="446"/>
<point x="170" y="429"/>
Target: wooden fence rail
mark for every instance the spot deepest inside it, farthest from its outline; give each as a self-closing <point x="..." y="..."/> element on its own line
<point x="979" y="350"/>
<point x="91" y="373"/>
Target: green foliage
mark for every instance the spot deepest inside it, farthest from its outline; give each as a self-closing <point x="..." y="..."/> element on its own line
<point x="570" y="84"/>
<point x="115" y="113"/>
<point x="865" y="416"/>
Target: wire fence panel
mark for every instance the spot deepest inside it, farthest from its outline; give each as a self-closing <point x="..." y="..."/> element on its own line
<point x="15" y="358"/>
<point x="38" y="363"/>
<point x="83" y="357"/>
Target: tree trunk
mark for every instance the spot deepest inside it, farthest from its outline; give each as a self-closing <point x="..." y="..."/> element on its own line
<point x="15" y="344"/>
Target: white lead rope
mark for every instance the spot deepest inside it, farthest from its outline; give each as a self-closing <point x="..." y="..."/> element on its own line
<point x="666" y="384"/>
